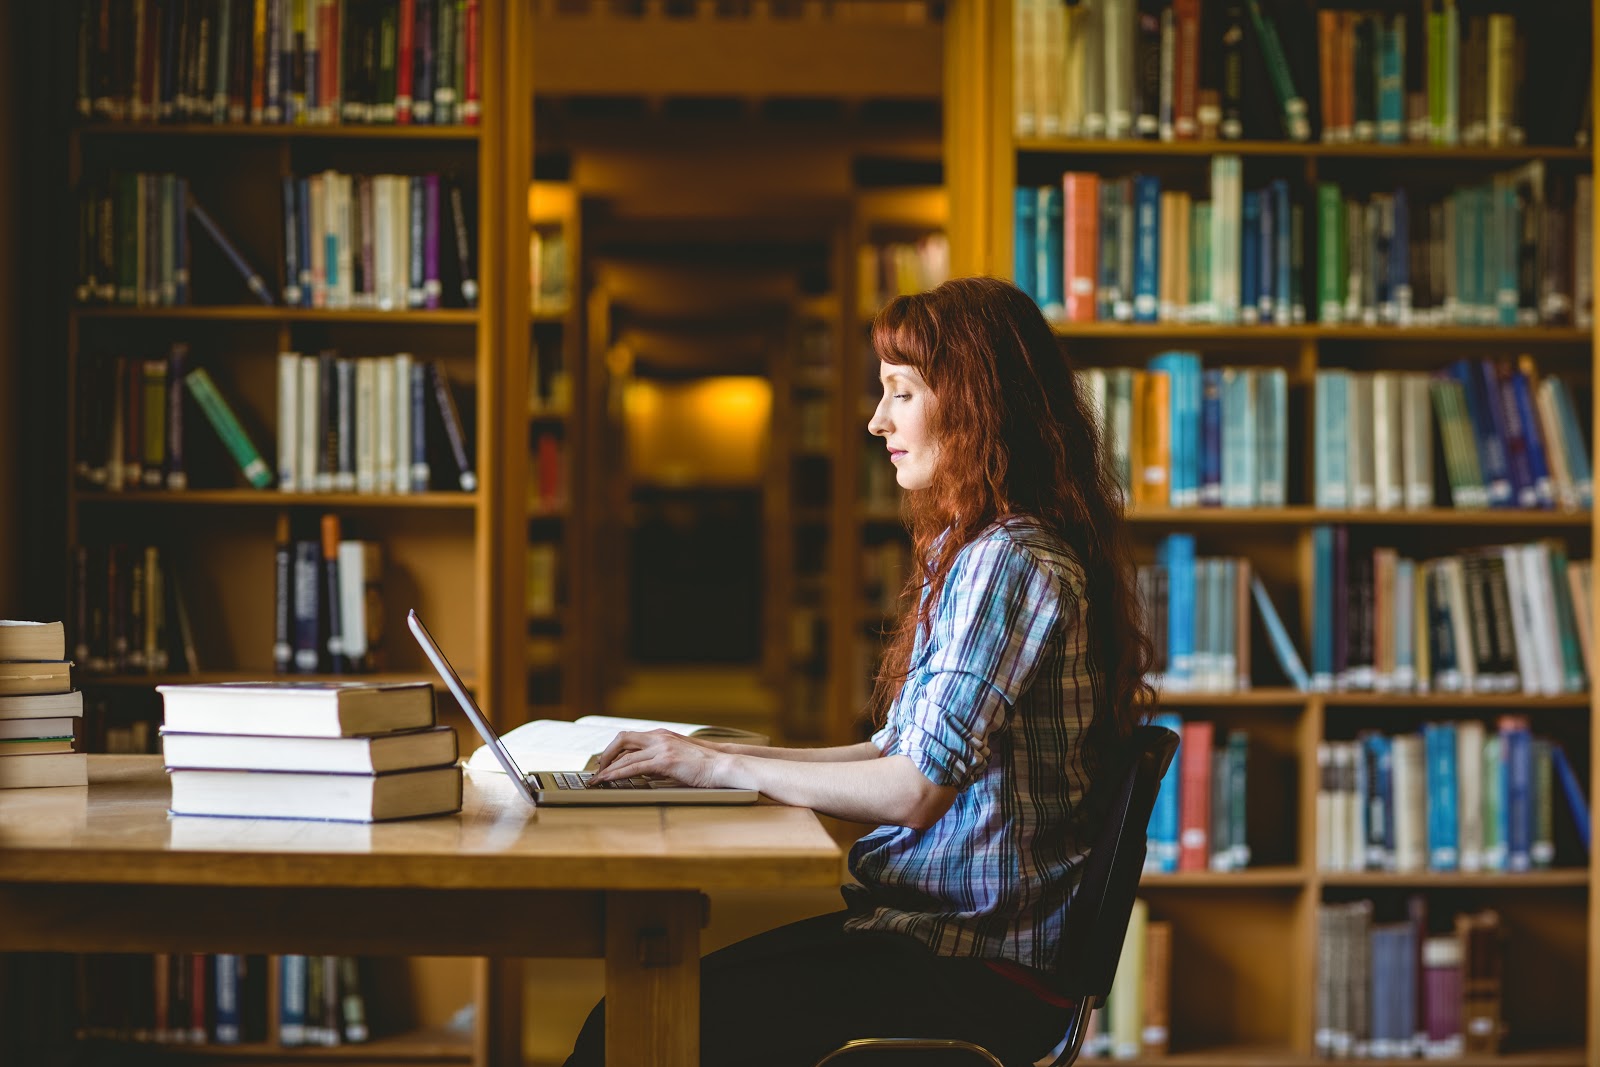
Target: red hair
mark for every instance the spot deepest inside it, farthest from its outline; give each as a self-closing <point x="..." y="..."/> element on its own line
<point x="1015" y="439"/>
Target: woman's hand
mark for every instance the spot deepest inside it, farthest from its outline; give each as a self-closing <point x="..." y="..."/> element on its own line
<point x="663" y="754"/>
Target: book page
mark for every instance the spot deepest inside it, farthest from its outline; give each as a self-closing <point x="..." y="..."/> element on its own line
<point x="548" y="745"/>
<point x="687" y="729"/>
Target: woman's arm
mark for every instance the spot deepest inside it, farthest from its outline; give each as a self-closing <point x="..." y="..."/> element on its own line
<point x="863" y="789"/>
<point x="838" y="754"/>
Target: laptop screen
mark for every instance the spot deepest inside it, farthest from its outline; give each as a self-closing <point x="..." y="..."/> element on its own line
<point x="480" y="722"/>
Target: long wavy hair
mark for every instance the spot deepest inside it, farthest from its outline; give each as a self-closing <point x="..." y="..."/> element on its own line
<point x="1015" y="439"/>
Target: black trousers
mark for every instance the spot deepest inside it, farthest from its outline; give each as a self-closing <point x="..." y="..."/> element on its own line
<point x="787" y="997"/>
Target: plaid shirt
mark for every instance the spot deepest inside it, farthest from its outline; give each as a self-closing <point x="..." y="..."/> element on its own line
<point x="995" y="704"/>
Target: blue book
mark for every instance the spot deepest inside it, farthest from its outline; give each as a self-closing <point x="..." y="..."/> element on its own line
<point x="1506" y="428"/>
<point x="1025" y="241"/>
<point x="226" y="1028"/>
<point x="1240" y="479"/>
<point x="1532" y="439"/>
<point x="1272" y="435"/>
<point x="1282" y="647"/>
<point x="1516" y="743"/>
<point x="292" y="1000"/>
<point x="1439" y="749"/>
<point x="1250" y="258"/>
<point x="1374" y="801"/>
<point x="1322" y="616"/>
<point x="1164" y="823"/>
<point x="1052" y="295"/>
<point x="1570" y="788"/>
<point x="1391" y="83"/>
<point x="1266" y="260"/>
<point x="1176" y="553"/>
<point x="1211" y="438"/>
<point x="1183" y="373"/>
<point x="1490" y="446"/>
<point x="1147" y="248"/>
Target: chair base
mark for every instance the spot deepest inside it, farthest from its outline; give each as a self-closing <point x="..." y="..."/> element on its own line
<point x="975" y="1053"/>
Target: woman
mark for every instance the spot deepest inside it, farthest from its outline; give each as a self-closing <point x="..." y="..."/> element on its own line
<point x="1019" y="667"/>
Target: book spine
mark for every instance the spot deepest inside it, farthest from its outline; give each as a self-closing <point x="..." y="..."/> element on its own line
<point x="223" y="420"/>
<point x="455" y="435"/>
<point x="470" y="104"/>
<point x="466" y="260"/>
<point x="1147" y="252"/>
<point x="417" y="389"/>
<point x="283" y="606"/>
<point x="307" y="579"/>
<point x="252" y="278"/>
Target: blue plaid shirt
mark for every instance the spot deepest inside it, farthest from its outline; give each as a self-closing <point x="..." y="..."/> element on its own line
<point x="996" y="704"/>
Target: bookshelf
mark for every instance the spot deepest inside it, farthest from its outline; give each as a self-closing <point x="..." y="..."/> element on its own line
<point x="441" y="546"/>
<point x="1245" y="942"/>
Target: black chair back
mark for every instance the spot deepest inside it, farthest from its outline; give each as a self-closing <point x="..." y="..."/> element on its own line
<point x="1097" y="918"/>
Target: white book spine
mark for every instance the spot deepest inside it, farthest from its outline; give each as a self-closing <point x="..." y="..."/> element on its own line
<point x="366" y="426"/>
<point x="1521" y="623"/>
<point x="310" y="423"/>
<point x="353" y="599"/>
<point x="1358" y="441"/>
<point x="1461" y="624"/>
<point x="382" y="244"/>
<point x="347" y="251"/>
<point x="400" y="246"/>
<point x="1388" y="478"/>
<point x="384" y="453"/>
<point x="289" y="422"/>
<point x="1542" y="610"/>
<point x="317" y="195"/>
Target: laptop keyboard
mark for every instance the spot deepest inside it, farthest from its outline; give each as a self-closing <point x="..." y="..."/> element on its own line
<point x="585" y="780"/>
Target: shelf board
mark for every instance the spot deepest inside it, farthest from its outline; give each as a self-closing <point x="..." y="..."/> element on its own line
<point x="274" y="313"/>
<point x="549" y="315"/>
<point x="1256" y="1056"/>
<point x="542" y="414"/>
<point x="353" y="132"/>
<point x="1303" y="515"/>
<point x="272" y="498"/>
<point x="1265" y="697"/>
<point x="85" y="680"/>
<point x="1249" y="878"/>
<point x="1551" y="879"/>
<point x="435" y="1046"/>
<point x="1189" y="331"/>
<point x="1578" y="701"/>
<point x="546" y="512"/>
<point x="1298" y="149"/>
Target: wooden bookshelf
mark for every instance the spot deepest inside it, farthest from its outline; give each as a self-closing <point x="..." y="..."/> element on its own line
<point x="275" y="314"/>
<point x="1245" y="943"/>
<point x="336" y="132"/>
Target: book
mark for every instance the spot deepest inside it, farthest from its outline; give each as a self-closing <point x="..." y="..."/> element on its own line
<point x="38" y="729"/>
<point x="402" y="750"/>
<point x="20" y="639"/>
<point x="48" y="769"/>
<point x="329" y="797"/>
<point x="252" y="277"/>
<point x="41" y="705"/>
<point x="558" y="745"/>
<point x="226" y="423"/>
<point x="34" y="676"/>
<point x="296" y="709"/>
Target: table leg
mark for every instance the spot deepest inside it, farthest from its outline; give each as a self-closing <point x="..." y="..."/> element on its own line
<point x="498" y="1039"/>
<point x="653" y="979"/>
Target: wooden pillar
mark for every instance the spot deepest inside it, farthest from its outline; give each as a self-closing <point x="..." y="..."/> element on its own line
<point x="979" y="166"/>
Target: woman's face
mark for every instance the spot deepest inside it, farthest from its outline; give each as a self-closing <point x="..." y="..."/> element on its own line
<point x="902" y="421"/>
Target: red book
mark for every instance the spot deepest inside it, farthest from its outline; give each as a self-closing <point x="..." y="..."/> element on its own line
<point x="551" y="491"/>
<point x="1327" y="60"/>
<point x="1194" y="797"/>
<point x="405" y="45"/>
<point x="469" y="105"/>
<point x="1081" y="226"/>
<point x="198" y="990"/>
<point x="329" y="92"/>
<point x="1186" y="71"/>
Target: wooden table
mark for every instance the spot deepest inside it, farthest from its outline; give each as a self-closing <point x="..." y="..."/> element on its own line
<point x="107" y="869"/>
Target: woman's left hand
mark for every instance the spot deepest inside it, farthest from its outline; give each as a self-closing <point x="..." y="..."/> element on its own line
<point x="662" y="754"/>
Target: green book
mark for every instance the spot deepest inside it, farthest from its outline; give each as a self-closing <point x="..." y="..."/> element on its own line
<point x="1572" y="679"/>
<point x="1296" y="120"/>
<point x="226" y="423"/>
<point x="1494" y="829"/>
<point x="1330" y="258"/>
<point x="1200" y="262"/>
<point x="1542" y="849"/>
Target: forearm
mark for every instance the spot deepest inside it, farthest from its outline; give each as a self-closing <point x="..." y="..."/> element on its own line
<point x="838" y="754"/>
<point x="889" y="790"/>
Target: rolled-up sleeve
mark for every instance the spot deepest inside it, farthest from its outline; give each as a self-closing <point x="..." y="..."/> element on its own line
<point x="999" y="608"/>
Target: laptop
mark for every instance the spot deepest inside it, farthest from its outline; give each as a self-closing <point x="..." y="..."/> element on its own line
<point x="567" y="787"/>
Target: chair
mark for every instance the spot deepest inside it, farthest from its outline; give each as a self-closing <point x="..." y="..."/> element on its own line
<point x="1096" y="920"/>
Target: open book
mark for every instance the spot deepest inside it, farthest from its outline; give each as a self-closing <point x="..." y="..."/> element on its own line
<point x="558" y="745"/>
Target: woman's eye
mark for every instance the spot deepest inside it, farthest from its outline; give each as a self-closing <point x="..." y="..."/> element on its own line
<point x="902" y="396"/>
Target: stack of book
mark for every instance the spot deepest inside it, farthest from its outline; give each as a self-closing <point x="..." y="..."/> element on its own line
<point x="347" y="751"/>
<point x="39" y="710"/>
